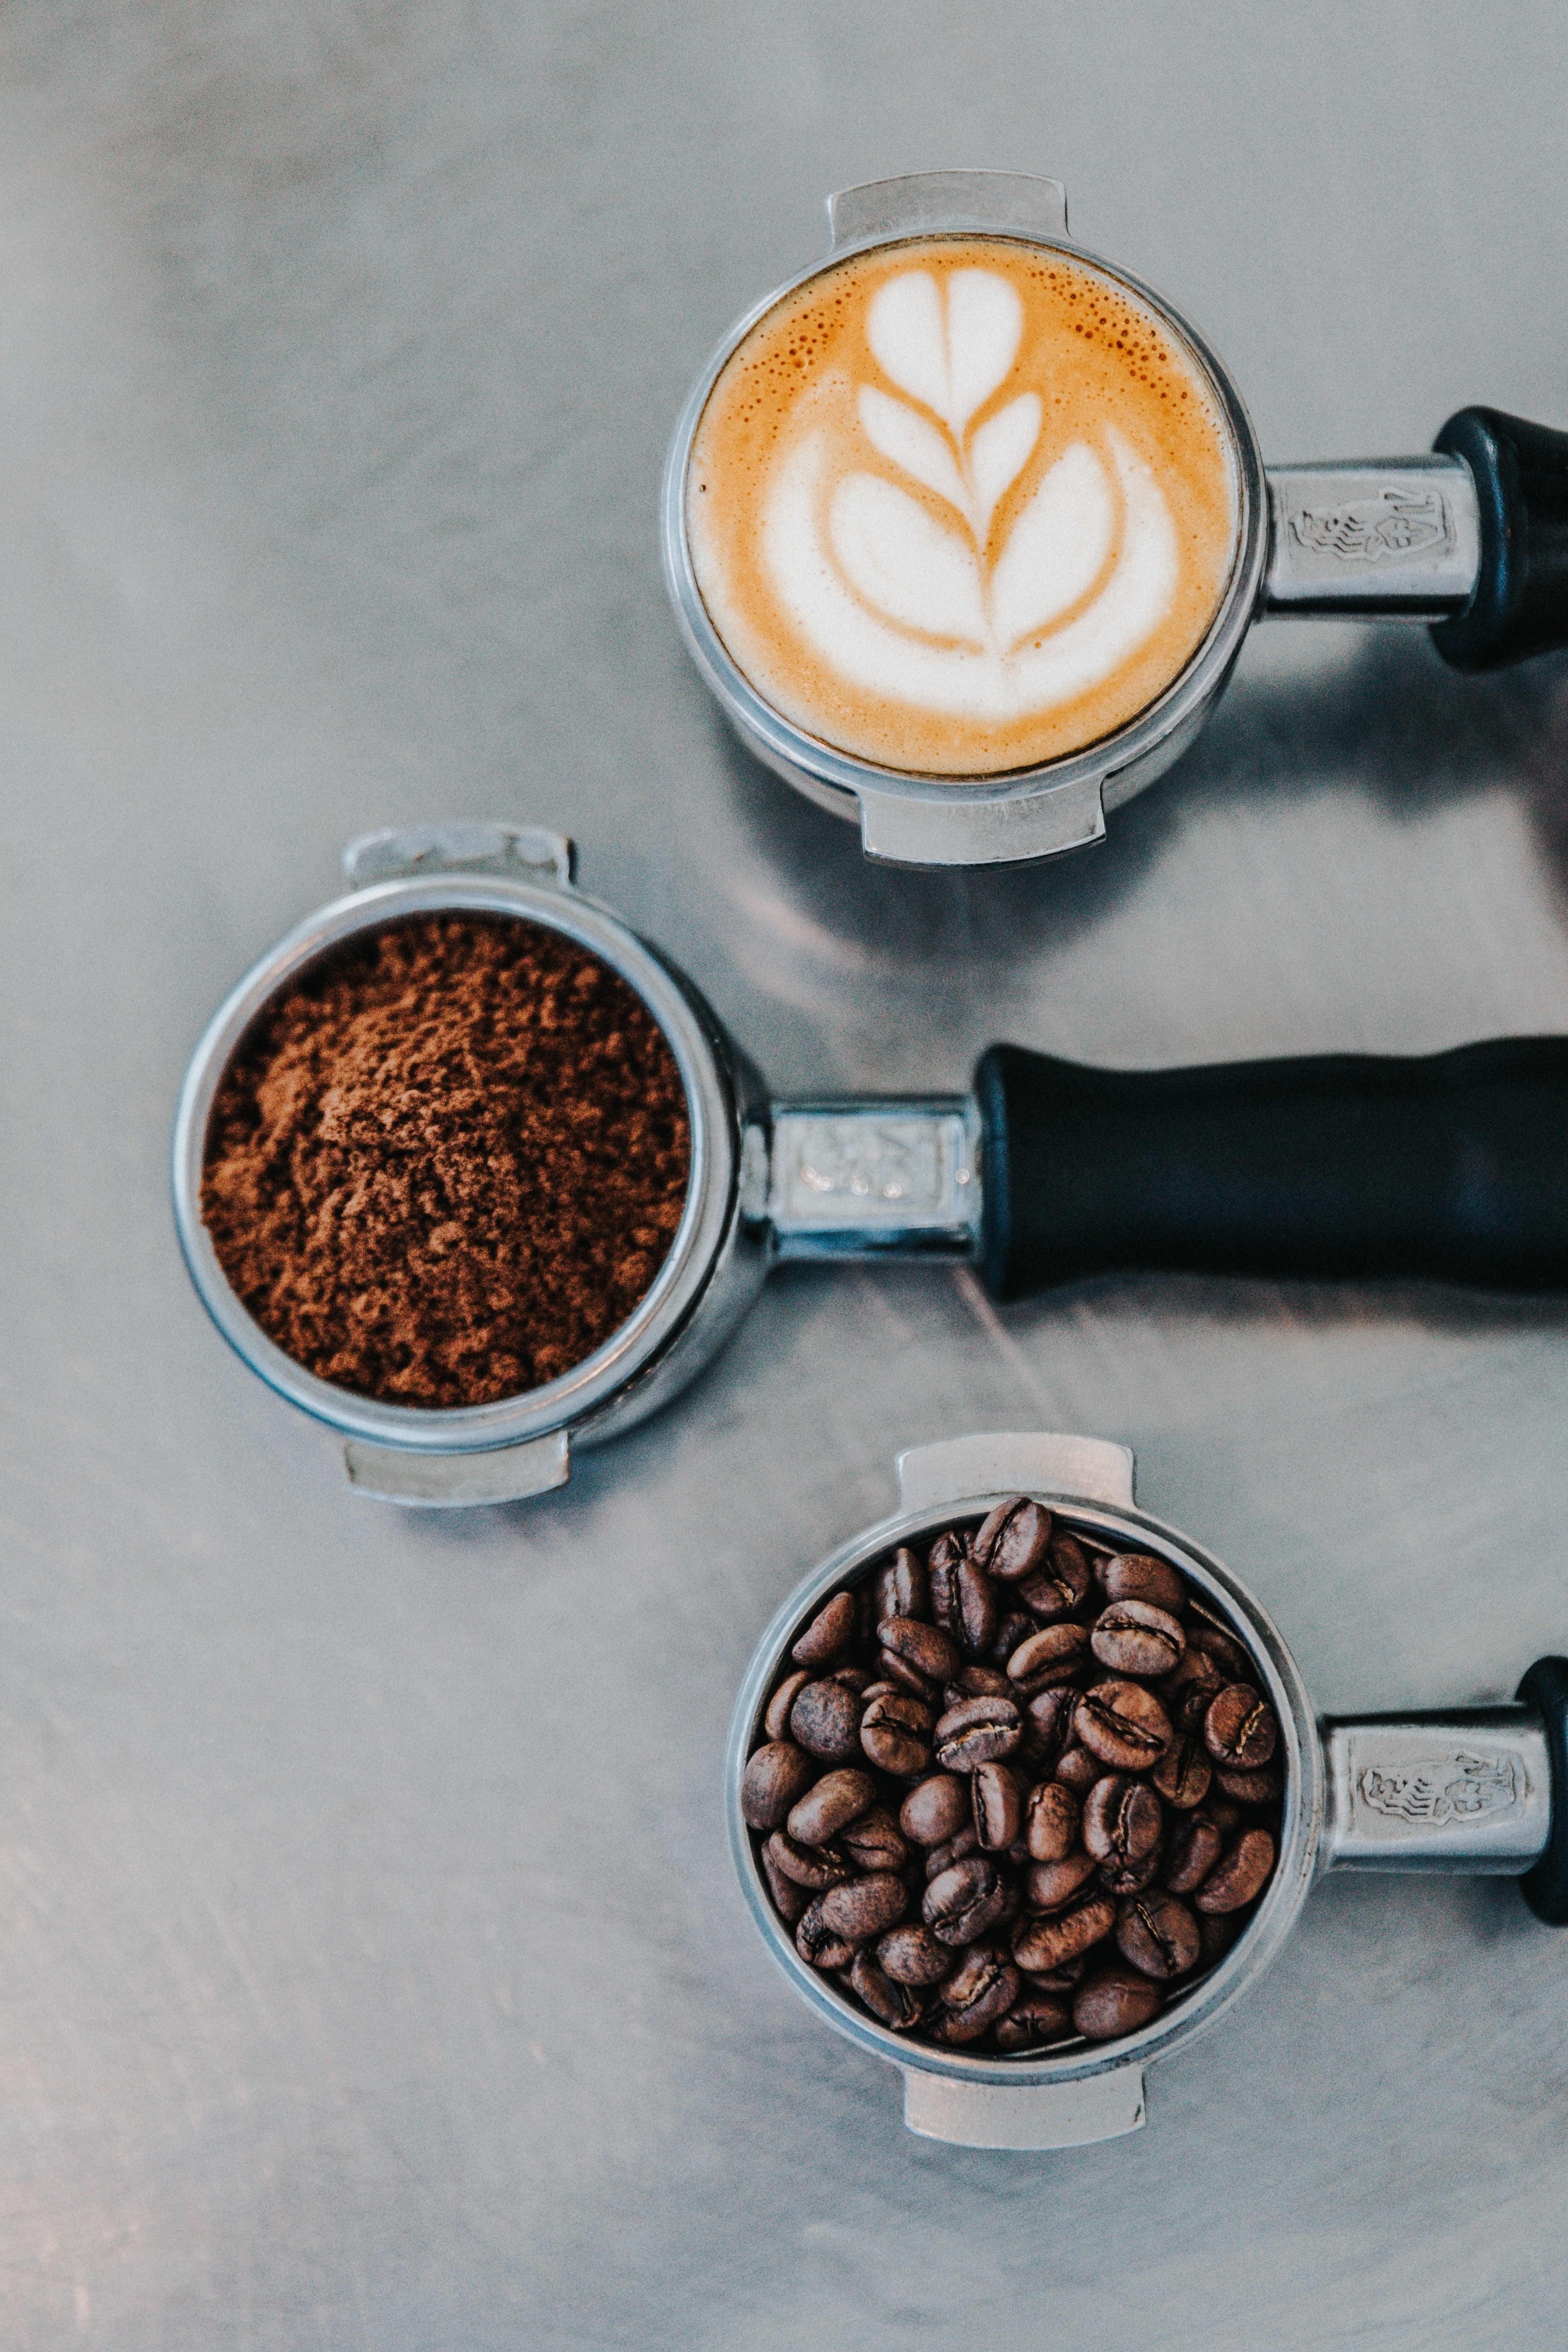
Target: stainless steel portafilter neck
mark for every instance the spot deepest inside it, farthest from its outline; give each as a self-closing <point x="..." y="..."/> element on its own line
<point x="1473" y="1791"/>
<point x="1472" y="537"/>
<point x="1344" y="1164"/>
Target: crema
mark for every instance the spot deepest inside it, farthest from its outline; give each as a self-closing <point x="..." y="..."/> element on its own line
<point x="960" y="505"/>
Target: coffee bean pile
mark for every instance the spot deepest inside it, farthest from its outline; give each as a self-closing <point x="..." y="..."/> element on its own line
<point x="1017" y="1790"/>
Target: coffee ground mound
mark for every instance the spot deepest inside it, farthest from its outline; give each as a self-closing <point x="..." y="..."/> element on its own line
<point x="447" y="1163"/>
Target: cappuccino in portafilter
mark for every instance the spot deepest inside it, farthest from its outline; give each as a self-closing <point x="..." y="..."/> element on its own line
<point x="960" y="505"/>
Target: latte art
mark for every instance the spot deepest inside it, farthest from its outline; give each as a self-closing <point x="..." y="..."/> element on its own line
<point x="961" y="506"/>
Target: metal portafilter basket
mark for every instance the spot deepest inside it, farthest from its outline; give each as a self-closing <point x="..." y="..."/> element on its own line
<point x="1046" y="1173"/>
<point x="1472" y="539"/>
<point x="1477" y="1790"/>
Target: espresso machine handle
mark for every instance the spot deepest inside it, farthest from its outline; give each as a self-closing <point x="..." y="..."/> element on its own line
<point x="1521" y="601"/>
<point x="1479" y="1790"/>
<point x="1454" y="1166"/>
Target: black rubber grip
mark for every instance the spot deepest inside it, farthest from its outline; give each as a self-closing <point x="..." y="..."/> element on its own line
<point x="1545" y="1886"/>
<point x="1521" y="603"/>
<point x="1454" y="1166"/>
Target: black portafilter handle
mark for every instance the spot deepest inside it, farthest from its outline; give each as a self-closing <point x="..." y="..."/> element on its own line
<point x="1453" y="1166"/>
<point x="1545" y="1886"/>
<point x="1521" y="603"/>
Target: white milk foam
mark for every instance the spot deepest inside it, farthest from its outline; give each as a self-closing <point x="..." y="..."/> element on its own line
<point x="926" y="613"/>
<point x="961" y="507"/>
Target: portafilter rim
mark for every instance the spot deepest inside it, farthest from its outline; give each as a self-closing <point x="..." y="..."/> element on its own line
<point x="576" y="1396"/>
<point x="836" y="773"/>
<point x="1187" y="2016"/>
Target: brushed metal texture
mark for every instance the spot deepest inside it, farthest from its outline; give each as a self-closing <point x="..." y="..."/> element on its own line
<point x="351" y="1993"/>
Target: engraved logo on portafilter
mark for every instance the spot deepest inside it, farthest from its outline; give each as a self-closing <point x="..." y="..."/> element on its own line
<point x="858" y="1171"/>
<point x="1394" y="524"/>
<point x="1453" y="1789"/>
<point x="850" y="1159"/>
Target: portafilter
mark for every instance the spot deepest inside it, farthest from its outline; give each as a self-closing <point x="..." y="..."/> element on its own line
<point x="1474" y="1789"/>
<point x="1472" y="539"/>
<point x="1046" y="1173"/>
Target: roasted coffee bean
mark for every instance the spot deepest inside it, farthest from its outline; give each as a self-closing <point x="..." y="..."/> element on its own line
<point x="975" y="1682"/>
<point x="1193" y="1849"/>
<point x="958" y="1848"/>
<point x="1137" y="1576"/>
<point x="1046" y="1940"/>
<point x="909" y="1586"/>
<point x="936" y="1811"/>
<point x="1218" y="1931"/>
<point x="1186" y="1694"/>
<point x="1123" y="1821"/>
<point x="1060" y="1584"/>
<point x="1124" y="1878"/>
<point x="998" y="1798"/>
<point x="977" y="1611"/>
<point x="942" y="1572"/>
<point x="835" y="1801"/>
<point x="1047" y="1885"/>
<point x="1122" y="1724"/>
<point x="854" y="1678"/>
<point x="1241" y="1871"/>
<point x="895" y="2005"/>
<point x="931" y="1652"/>
<point x="1114" y="2001"/>
<point x="912" y="1956"/>
<point x="1264" y="1788"/>
<point x="900" y="1672"/>
<point x="1047" y="1723"/>
<point x="1134" y="1637"/>
<point x="776" y="1776"/>
<point x="1223" y="1812"/>
<point x="1014" y="1539"/>
<point x="1056" y="1980"/>
<point x="864" y="1908"/>
<point x="1012" y="1628"/>
<point x="825" y="1719"/>
<point x="884" y="1690"/>
<point x="1034" y="2019"/>
<point x="789" y="1898"/>
<point x="896" y="1735"/>
<point x="982" y="1540"/>
<point x="1183" y="1774"/>
<point x="775" y="1723"/>
<point x="1011" y="1905"/>
<point x="1079" y="1771"/>
<point x="1227" y="1654"/>
<point x="881" y="1603"/>
<point x="1052" y="1656"/>
<point x="981" y="1731"/>
<point x="815" y="1941"/>
<point x="873" y="1843"/>
<point x="1157" y="1934"/>
<point x="1240" y="1728"/>
<point x="815" y="1867"/>
<point x="965" y="1901"/>
<point x="981" y="1989"/>
<point x="1050" y="1821"/>
<point x="831" y="1630"/>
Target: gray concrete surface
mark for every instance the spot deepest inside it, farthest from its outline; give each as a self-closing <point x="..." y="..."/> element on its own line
<point x="349" y="1995"/>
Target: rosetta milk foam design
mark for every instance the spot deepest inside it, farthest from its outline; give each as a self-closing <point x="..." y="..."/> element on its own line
<point x="960" y="518"/>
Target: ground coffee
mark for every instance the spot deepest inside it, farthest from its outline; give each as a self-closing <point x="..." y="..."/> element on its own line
<point x="443" y="1166"/>
<point x="1017" y="1791"/>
